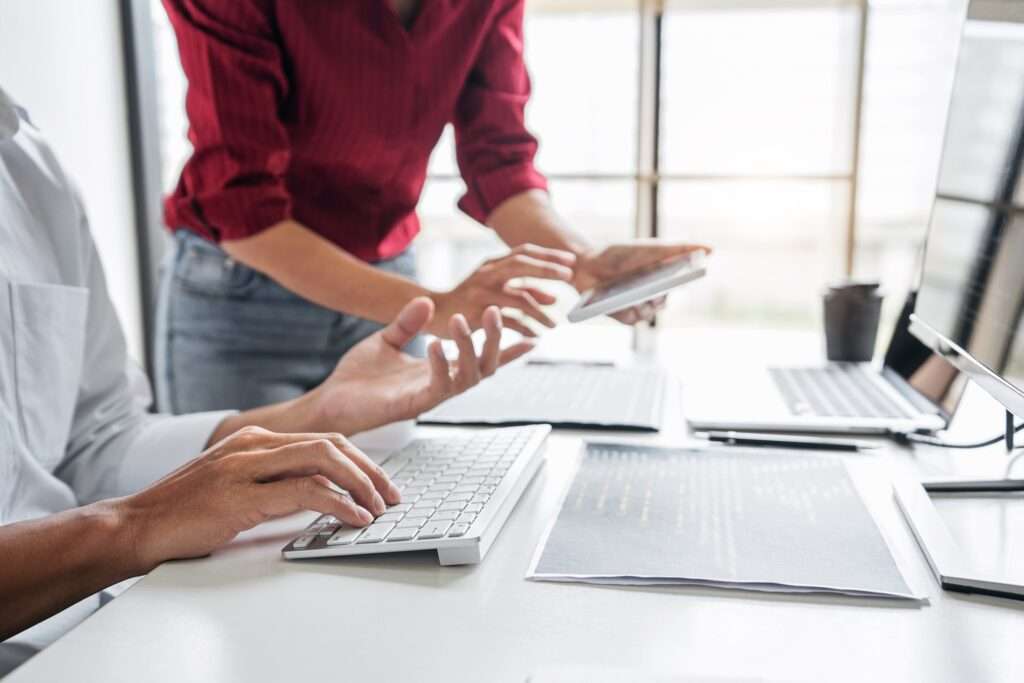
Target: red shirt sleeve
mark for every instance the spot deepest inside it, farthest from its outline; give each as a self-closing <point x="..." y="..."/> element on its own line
<point x="236" y="89"/>
<point x="494" y="150"/>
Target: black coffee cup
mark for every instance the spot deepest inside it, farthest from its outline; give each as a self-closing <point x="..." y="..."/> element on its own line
<point x="852" y="312"/>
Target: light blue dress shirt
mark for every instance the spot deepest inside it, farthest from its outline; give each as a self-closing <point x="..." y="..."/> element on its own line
<point x="74" y="426"/>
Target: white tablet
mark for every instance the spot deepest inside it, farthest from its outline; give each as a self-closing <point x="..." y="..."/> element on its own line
<point x="637" y="288"/>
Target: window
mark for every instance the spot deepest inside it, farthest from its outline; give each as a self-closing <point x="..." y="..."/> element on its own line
<point x="733" y="122"/>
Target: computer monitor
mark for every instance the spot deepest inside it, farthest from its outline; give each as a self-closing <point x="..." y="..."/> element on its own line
<point x="971" y="295"/>
<point x="970" y="303"/>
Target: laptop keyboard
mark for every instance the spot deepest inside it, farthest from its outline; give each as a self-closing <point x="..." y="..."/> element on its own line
<point x="837" y="390"/>
<point x="554" y="394"/>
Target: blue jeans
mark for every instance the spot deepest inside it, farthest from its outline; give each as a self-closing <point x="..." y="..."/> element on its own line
<point x="230" y="337"/>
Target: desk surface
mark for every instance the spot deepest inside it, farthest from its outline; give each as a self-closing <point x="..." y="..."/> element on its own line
<point x="245" y="614"/>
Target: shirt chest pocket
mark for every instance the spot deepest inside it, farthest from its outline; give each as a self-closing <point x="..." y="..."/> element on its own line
<point x="49" y="341"/>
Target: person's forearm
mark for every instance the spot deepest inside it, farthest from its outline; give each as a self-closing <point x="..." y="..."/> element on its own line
<point x="52" y="563"/>
<point x="307" y="414"/>
<point x="321" y="272"/>
<point x="529" y="217"/>
<point x="302" y="415"/>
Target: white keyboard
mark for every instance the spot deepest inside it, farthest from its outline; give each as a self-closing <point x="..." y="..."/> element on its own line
<point x="457" y="493"/>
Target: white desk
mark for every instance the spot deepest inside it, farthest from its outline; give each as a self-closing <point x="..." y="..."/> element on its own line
<point x="247" y="615"/>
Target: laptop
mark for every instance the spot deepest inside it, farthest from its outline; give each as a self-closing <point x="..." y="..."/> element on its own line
<point x="915" y="390"/>
<point x="565" y="395"/>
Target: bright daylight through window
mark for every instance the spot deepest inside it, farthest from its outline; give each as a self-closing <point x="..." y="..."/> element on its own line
<point x="751" y="146"/>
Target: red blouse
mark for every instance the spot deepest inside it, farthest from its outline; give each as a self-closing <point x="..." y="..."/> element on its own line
<point x="326" y="111"/>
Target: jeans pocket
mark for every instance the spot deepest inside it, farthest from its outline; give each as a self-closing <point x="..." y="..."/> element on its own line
<point x="203" y="268"/>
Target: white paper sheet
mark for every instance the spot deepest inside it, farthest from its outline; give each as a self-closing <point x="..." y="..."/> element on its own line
<point x="757" y="519"/>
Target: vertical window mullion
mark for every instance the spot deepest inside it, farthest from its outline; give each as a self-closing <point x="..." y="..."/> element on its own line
<point x="857" y="125"/>
<point x="649" y="113"/>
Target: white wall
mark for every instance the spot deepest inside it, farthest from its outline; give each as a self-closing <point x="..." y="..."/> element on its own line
<point x="62" y="60"/>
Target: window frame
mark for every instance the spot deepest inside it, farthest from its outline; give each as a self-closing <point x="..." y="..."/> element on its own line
<point x="649" y="174"/>
<point x="143" y="119"/>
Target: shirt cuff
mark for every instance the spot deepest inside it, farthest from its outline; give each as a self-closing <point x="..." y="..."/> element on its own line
<point x="166" y="443"/>
<point x="485" y="191"/>
<point x="243" y="212"/>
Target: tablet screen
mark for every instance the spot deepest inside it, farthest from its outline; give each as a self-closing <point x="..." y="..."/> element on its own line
<point x="641" y="279"/>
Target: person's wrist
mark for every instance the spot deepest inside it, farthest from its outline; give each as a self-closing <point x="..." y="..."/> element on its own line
<point x="582" y="278"/>
<point x="444" y="302"/>
<point x="332" y="409"/>
<point x="313" y="412"/>
<point x="124" y="526"/>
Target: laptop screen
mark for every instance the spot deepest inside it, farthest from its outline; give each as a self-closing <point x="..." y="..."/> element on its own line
<point x="926" y="374"/>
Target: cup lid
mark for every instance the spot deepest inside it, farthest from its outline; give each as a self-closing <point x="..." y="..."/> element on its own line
<point x="853" y="287"/>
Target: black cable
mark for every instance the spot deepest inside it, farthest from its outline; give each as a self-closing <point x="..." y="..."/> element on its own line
<point x="933" y="441"/>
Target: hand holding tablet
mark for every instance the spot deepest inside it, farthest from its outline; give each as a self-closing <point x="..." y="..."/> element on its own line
<point x="638" y="287"/>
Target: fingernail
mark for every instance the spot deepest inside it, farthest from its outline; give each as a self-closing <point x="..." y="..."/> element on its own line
<point x="393" y="491"/>
<point x="378" y="503"/>
<point x="364" y="515"/>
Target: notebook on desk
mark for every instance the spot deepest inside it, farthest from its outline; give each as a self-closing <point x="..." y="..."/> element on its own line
<point x="566" y="395"/>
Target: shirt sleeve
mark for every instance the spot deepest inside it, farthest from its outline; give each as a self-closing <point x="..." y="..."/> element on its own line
<point x="236" y="89"/>
<point x="493" y="147"/>
<point x="116" y="446"/>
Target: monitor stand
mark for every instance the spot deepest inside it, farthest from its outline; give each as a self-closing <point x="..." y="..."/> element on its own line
<point x="988" y="486"/>
<point x="954" y="570"/>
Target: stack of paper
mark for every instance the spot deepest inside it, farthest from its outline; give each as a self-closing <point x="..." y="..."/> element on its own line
<point x="754" y="519"/>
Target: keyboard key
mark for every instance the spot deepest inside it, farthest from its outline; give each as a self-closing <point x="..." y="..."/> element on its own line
<point x="474" y="507"/>
<point x="433" y="495"/>
<point x="456" y="497"/>
<point x="434" y="530"/>
<point x="444" y="516"/>
<point x="375" y="533"/>
<point x="458" y="530"/>
<point x="391" y="517"/>
<point x="394" y="466"/>
<point x="482" y="499"/>
<point x="413" y="490"/>
<point x="453" y="505"/>
<point x="327" y="530"/>
<point x="303" y="541"/>
<point x="344" y="536"/>
<point x="414" y="523"/>
<point x="424" y="505"/>
<point x="402" y="534"/>
<point x="400" y="507"/>
<point x="466" y="518"/>
<point x="465" y="488"/>
<point x="418" y="513"/>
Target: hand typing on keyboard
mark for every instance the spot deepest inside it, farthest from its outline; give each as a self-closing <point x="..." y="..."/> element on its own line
<point x="248" y="478"/>
<point x="456" y="493"/>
